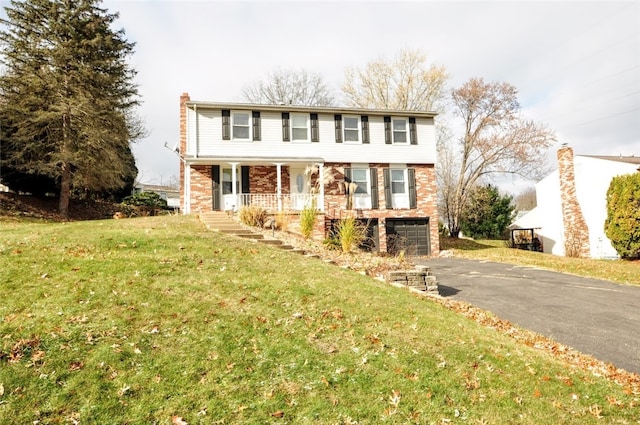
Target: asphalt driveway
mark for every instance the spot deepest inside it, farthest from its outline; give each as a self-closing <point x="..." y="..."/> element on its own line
<point x="593" y="316"/>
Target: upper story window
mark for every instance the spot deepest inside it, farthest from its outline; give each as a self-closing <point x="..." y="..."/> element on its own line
<point x="241" y="125"/>
<point x="400" y="127"/>
<point x="398" y="130"/>
<point x="300" y="127"/>
<point x="351" y="129"/>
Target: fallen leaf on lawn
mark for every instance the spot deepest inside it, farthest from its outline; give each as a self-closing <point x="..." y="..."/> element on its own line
<point x="278" y="414"/>
<point x="76" y="366"/>
<point x="611" y="399"/>
<point x="595" y="410"/>
<point x="1" y="389"/>
<point x="38" y="355"/>
<point x="177" y="420"/>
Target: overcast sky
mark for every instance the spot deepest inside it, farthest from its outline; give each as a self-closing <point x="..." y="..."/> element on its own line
<point x="576" y="64"/>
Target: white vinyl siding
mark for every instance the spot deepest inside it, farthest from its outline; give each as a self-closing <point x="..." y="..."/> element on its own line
<point x="208" y="141"/>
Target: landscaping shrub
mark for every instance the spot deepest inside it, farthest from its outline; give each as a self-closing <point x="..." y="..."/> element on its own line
<point x="350" y="234"/>
<point x="252" y="215"/>
<point x="308" y="217"/>
<point x="622" y="224"/>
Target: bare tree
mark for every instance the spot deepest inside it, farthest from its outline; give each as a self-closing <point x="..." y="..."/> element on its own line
<point x="526" y="200"/>
<point x="405" y="83"/>
<point x="496" y="140"/>
<point x="289" y="88"/>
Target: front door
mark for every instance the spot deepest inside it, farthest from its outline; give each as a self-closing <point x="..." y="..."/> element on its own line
<point x="300" y="187"/>
<point x="230" y="202"/>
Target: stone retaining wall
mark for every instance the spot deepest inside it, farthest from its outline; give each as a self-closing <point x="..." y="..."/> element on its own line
<point x="420" y="279"/>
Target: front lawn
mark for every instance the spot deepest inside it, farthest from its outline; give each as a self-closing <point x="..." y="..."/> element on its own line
<point x="156" y="320"/>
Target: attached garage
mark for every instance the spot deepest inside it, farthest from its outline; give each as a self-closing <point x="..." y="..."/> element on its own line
<point x="410" y="235"/>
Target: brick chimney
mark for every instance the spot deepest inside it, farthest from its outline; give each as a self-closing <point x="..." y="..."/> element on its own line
<point x="183" y="142"/>
<point x="576" y="231"/>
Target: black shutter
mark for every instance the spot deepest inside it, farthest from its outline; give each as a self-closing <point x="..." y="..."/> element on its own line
<point x="315" y="131"/>
<point x="244" y="176"/>
<point x="215" y="186"/>
<point x="338" y="119"/>
<point x="285" y="127"/>
<point x="256" y="125"/>
<point x="374" y="188"/>
<point x="226" y="124"/>
<point x="413" y="132"/>
<point x="347" y="175"/>
<point x="413" y="198"/>
<point x="387" y="130"/>
<point x="388" y="201"/>
<point x="365" y="128"/>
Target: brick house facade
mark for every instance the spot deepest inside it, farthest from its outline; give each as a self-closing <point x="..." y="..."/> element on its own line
<point x="276" y="156"/>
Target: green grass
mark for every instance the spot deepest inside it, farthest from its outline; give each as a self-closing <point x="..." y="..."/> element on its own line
<point x="154" y="319"/>
<point x="619" y="271"/>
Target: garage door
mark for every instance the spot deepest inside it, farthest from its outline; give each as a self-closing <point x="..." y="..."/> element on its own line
<point x="410" y="235"/>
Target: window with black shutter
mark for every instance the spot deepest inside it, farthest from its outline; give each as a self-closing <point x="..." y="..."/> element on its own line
<point x="387" y="131"/>
<point x="226" y="124"/>
<point x="413" y="131"/>
<point x="315" y="130"/>
<point x="413" y="198"/>
<point x="374" y="188"/>
<point x="256" y="125"/>
<point x="365" y="128"/>
<point x="285" y="127"/>
<point x="338" y="120"/>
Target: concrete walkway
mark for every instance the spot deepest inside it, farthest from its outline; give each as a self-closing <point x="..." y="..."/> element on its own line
<point x="593" y="316"/>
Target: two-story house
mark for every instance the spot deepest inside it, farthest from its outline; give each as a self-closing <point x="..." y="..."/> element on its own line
<point x="377" y="165"/>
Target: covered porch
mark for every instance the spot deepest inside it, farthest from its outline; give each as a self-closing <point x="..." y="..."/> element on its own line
<point x="282" y="185"/>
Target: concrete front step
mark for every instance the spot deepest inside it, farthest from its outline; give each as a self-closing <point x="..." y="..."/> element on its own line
<point x="248" y="235"/>
<point x="273" y="242"/>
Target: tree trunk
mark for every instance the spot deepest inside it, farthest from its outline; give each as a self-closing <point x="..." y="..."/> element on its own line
<point x="65" y="190"/>
<point x="454" y="232"/>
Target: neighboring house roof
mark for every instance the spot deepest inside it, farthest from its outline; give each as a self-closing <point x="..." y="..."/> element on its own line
<point x="318" y="109"/>
<point x="627" y="159"/>
<point x="156" y="188"/>
<point x="529" y="220"/>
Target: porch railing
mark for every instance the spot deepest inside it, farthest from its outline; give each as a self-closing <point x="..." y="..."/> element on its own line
<point x="273" y="202"/>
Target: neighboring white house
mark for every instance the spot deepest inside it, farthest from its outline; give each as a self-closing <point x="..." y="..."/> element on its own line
<point x="168" y="193"/>
<point x="571" y="204"/>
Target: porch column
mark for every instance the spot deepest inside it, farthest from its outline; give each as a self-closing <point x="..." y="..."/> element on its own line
<point x="321" y="184"/>
<point x="234" y="179"/>
<point x="279" y="185"/>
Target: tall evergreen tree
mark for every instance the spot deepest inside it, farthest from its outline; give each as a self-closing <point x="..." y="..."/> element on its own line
<point x="68" y="96"/>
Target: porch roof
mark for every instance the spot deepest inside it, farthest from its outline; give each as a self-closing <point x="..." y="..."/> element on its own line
<point x="252" y="160"/>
